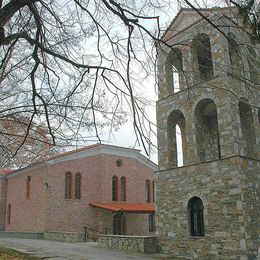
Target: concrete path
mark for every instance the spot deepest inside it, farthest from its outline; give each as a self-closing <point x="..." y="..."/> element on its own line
<point x="68" y="251"/>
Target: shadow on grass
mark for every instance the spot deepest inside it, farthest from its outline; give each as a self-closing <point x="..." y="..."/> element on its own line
<point x="10" y="254"/>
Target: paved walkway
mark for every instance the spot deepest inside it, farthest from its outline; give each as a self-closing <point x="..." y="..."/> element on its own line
<point x="68" y="251"/>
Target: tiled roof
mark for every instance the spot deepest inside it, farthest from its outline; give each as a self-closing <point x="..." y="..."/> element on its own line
<point x="202" y="10"/>
<point x="125" y="207"/>
<point x="84" y="149"/>
<point x="71" y="152"/>
<point x="6" y="171"/>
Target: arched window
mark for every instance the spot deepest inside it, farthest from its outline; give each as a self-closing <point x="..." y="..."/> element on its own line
<point x="114" y="188"/>
<point x="147" y="191"/>
<point x="78" y="186"/>
<point x="174" y="69"/>
<point x="247" y="127"/>
<point x="123" y="188"/>
<point x="9" y="209"/>
<point x="179" y="145"/>
<point x="28" y="187"/>
<point x="202" y="58"/>
<point x="195" y="216"/>
<point x="207" y="133"/>
<point x="234" y="54"/>
<point x="153" y="191"/>
<point x="176" y="138"/>
<point x="68" y="185"/>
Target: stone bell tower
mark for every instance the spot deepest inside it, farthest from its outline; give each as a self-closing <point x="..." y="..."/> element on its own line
<point x="208" y="199"/>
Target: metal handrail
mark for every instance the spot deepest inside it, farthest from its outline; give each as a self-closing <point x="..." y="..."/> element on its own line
<point x="95" y="230"/>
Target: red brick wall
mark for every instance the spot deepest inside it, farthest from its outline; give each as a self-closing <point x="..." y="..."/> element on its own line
<point x="3" y="190"/>
<point x="135" y="172"/>
<point x="48" y="210"/>
<point x="27" y="214"/>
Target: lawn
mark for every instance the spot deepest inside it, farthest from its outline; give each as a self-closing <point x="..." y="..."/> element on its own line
<point x="10" y="254"/>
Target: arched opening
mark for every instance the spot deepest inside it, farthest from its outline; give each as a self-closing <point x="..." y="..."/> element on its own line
<point x="179" y="146"/>
<point x="196" y="217"/>
<point x="207" y="132"/>
<point x="252" y="57"/>
<point x="68" y="185"/>
<point x="176" y="138"/>
<point x="234" y="54"/>
<point x="114" y="188"/>
<point x="123" y="188"/>
<point x="28" y="187"/>
<point x="174" y="69"/>
<point x="247" y="127"/>
<point x="202" y="57"/>
<point x="78" y="186"/>
<point x="175" y="79"/>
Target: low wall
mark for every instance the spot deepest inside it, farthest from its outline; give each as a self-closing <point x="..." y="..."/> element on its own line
<point x="28" y="235"/>
<point x="143" y="244"/>
<point x="64" y="236"/>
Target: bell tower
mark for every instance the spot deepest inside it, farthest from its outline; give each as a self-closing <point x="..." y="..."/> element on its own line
<point x="208" y="116"/>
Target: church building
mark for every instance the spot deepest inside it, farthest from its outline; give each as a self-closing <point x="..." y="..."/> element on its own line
<point x="208" y="199"/>
<point x="98" y="189"/>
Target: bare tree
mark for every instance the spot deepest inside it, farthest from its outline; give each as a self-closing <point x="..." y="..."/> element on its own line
<point x="77" y="66"/>
<point x="73" y="66"/>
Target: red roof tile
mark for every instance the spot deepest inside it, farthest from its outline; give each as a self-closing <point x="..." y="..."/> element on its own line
<point x="71" y="152"/>
<point x="6" y="171"/>
<point x="84" y="149"/>
<point x="125" y="207"/>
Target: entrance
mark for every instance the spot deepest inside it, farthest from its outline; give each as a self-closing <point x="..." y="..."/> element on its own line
<point x="119" y="225"/>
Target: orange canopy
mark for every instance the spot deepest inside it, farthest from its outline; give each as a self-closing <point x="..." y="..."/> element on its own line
<point x="125" y="207"/>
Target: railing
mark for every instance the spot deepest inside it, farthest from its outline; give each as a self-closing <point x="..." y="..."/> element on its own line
<point x="105" y="232"/>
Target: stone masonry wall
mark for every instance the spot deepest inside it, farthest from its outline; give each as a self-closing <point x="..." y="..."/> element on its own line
<point x="143" y="244"/>
<point x="227" y="181"/>
<point x="231" y="209"/>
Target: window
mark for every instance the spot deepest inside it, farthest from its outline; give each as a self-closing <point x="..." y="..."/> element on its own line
<point x="173" y="69"/>
<point x="151" y="220"/>
<point x="179" y="145"/>
<point x="175" y="79"/>
<point x="123" y="188"/>
<point x="78" y="186"/>
<point x="153" y="192"/>
<point x="119" y="224"/>
<point x="202" y="59"/>
<point x="147" y="191"/>
<point x="195" y="215"/>
<point x="114" y="188"/>
<point x="9" y="214"/>
<point x="28" y="187"/>
<point x="176" y="138"/>
<point x="68" y="187"/>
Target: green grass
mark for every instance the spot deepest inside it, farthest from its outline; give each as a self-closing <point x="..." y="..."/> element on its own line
<point x="10" y="254"/>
